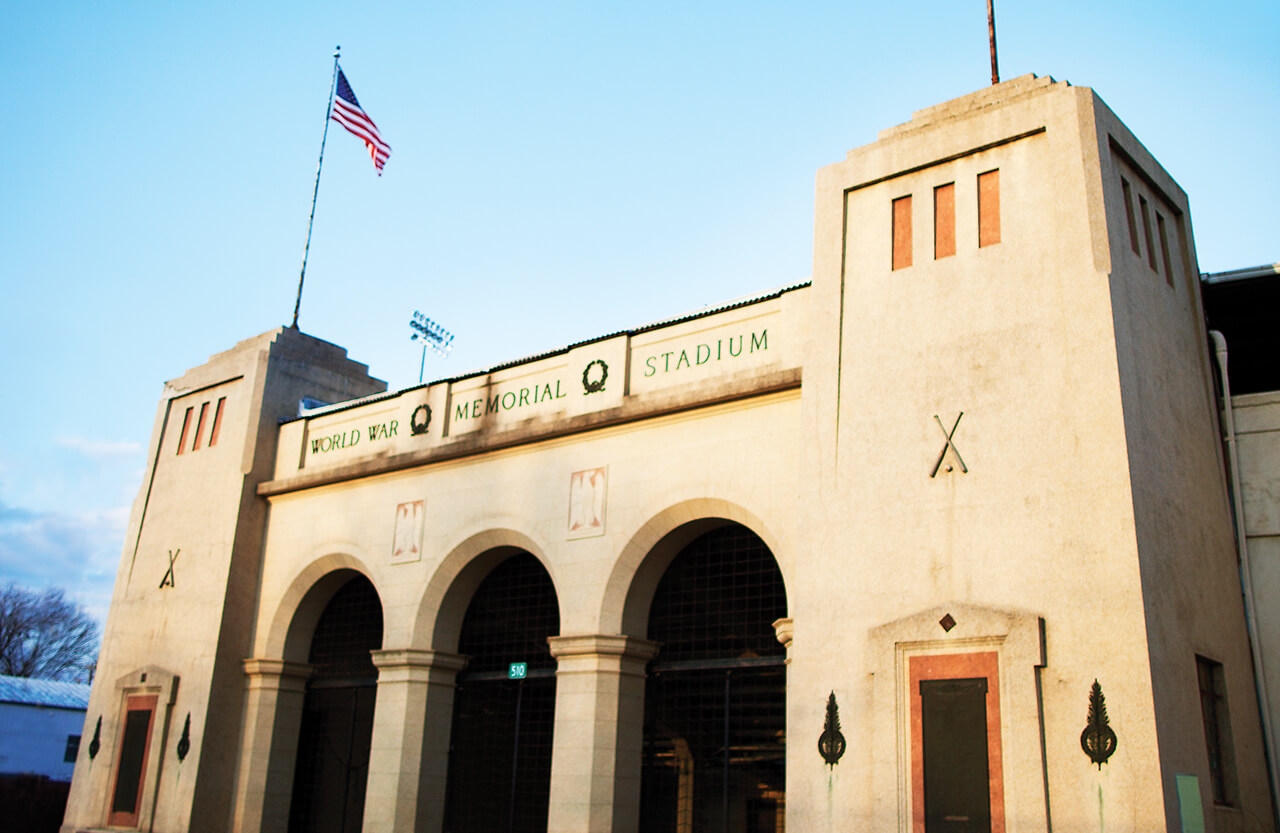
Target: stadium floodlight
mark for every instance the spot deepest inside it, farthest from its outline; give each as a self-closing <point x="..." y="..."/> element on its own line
<point x="432" y="335"/>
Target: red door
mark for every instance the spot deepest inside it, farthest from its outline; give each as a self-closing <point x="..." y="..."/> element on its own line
<point x="131" y="763"/>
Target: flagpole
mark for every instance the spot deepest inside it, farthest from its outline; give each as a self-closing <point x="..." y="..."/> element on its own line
<point x="316" y="193"/>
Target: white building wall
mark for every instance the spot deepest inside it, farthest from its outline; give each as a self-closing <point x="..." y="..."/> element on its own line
<point x="33" y="740"/>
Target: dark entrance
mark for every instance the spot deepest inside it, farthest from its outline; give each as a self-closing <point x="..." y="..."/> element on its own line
<point x="957" y="791"/>
<point x="500" y="748"/>
<point x="131" y="767"/>
<point x="715" y="701"/>
<point x="337" y="715"/>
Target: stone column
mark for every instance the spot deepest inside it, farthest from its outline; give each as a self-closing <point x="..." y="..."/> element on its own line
<point x="409" y="752"/>
<point x="599" y="734"/>
<point x="269" y="747"/>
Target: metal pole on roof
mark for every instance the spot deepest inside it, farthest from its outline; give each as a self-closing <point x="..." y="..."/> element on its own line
<point x="991" y="35"/>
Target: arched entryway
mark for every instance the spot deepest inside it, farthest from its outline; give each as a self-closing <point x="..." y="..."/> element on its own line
<point x="500" y="748"/>
<point x="715" y="699"/>
<point x="337" y="716"/>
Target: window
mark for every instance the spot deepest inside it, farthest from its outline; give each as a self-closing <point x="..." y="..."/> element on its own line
<point x="72" y="750"/>
<point x="944" y="221"/>
<point x="1164" y="248"/>
<point x="1146" y="232"/>
<point x="1128" y="213"/>
<point x="1217" y="730"/>
<point x="902" y="232"/>
<point x="217" y="421"/>
<point x="204" y="411"/>
<point x="186" y="425"/>
<point x="989" y="208"/>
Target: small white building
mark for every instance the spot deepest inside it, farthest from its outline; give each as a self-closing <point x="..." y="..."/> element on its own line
<point x="40" y="723"/>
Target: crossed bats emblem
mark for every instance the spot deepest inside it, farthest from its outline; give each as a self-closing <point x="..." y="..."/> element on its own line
<point x="167" y="581"/>
<point x="950" y="443"/>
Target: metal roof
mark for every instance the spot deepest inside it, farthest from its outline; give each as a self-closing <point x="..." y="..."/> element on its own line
<point x="49" y="693"/>
<point x="1265" y="271"/>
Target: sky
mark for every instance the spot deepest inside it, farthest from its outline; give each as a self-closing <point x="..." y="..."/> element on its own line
<point x="558" y="171"/>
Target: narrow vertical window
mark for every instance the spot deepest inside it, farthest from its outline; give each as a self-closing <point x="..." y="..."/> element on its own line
<point x="1128" y="213"/>
<point x="1146" y="232"/>
<point x="902" y="232"/>
<point x="217" y="421"/>
<point x="989" y="208"/>
<point x="944" y="220"/>
<point x="204" y="411"/>
<point x="1164" y="249"/>
<point x="1217" y="730"/>
<point x="186" y="424"/>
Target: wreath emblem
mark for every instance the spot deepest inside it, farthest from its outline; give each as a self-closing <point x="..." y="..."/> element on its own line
<point x="594" y="382"/>
<point x="420" y="420"/>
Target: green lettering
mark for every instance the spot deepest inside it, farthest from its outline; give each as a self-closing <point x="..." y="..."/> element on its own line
<point x="494" y="405"/>
<point x="649" y="368"/>
<point x="762" y="344"/>
<point x="394" y="425"/>
<point x="462" y="412"/>
<point x="524" y="396"/>
<point x="738" y="352"/>
<point x="684" y="357"/>
<point x="698" y="355"/>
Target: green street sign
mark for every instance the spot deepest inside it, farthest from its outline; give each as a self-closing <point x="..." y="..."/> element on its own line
<point x="517" y="670"/>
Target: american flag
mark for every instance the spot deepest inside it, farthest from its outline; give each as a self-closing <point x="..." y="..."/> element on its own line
<point x="347" y="112"/>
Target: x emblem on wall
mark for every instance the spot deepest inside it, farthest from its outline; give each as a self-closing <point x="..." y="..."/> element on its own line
<point x="167" y="581"/>
<point x="949" y="444"/>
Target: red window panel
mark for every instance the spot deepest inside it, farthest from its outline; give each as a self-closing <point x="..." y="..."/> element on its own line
<point x="944" y="220"/>
<point x="217" y="421"/>
<point x="989" y="208"/>
<point x="902" y="232"/>
<point x="204" y="412"/>
<point x="186" y="425"/>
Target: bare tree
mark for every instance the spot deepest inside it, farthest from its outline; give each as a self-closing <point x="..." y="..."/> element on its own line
<point x="45" y="635"/>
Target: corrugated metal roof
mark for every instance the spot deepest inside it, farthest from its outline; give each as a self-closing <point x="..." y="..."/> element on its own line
<point x="1265" y="271"/>
<point x="51" y="693"/>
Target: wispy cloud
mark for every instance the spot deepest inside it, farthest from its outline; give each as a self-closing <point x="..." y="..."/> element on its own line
<point x="77" y="552"/>
<point x="99" y="448"/>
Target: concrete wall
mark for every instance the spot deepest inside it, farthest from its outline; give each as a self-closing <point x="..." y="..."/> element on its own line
<point x="1072" y="510"/>
<point x="1257" y="426"/>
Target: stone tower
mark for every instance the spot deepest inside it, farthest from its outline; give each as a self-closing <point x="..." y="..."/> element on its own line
<point x="169" y="686"/>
